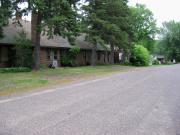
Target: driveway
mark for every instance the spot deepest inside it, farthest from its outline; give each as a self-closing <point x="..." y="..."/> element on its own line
<point x="144" y="102"/>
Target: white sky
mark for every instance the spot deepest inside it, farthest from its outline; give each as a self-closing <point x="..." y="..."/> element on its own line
<point x="164" y="10"/>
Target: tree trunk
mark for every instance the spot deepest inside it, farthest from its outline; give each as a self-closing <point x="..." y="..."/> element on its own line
<point x="112" y="54"/>
<point x="36" y="37"/>
<point x="94" y="56"/>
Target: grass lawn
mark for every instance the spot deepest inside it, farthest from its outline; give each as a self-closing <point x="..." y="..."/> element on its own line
<point x="11" y="83"/>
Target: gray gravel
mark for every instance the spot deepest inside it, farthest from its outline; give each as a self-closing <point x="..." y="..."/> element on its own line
<point x="145" y="102"/>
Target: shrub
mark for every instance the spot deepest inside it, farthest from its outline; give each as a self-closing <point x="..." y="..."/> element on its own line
<point x="140" y="56"/>
<point x="66" y="60"/>
<point x="23" y="51"/>
<point x="73" y="52"/>
<point x="168" y="63"/>
<point x="69" y="59"/>
<point x="15" y="70"/>
<point x="156" y="62"/>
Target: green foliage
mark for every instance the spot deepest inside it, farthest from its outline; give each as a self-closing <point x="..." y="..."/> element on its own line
<point x="170" y="41"/>
<point x="92" y="22"/>
<point x="74" y="51"/>
<point x="140" y="56"/>
<point x="149" y="44"/>
<point x="160" y="47"/>
<point x="5" y="14"/>
<point x="57" y="17"/>
<point x="69" y="59"/>
<point x="50" y="17"/>
<point x="155" y="62"/>
<point x="108" y="22"/>
<point x="118" y="29"/>
<point x="127" y="63"/>
<point x="144" y="26"/>
<point x="23" y="51"/>
<point x="15" y="70"/>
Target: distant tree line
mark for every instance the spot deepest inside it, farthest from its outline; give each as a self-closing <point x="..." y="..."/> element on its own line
<point x="169" y="42"/>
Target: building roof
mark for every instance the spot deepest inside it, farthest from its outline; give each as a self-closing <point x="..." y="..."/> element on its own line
<point x="11" y="31"/>
<point x="159" y="56"/>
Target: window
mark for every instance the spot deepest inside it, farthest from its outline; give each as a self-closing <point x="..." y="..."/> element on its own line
<point x="48" y="52"/>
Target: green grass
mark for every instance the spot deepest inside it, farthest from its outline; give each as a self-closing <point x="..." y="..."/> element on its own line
<point x="11" y="83"/>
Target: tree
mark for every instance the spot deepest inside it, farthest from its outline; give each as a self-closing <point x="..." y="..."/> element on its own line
<point x="170" y="39"/>
<point x="144" y="26"/>
<point x="160" y="48"/>
<point x="140" y="56"/>
<point x="5" y="14"/>
<point x="108" y="23"/>
<point x="92" y="25"/>
<point x="50" y="17"/>
<point x="23" y="51"/>
<point x="117" y="30"/>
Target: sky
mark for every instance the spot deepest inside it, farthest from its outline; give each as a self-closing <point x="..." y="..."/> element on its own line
<point x="164" y="10"/>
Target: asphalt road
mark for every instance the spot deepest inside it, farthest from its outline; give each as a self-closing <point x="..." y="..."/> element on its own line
<point x="144" y="102"/>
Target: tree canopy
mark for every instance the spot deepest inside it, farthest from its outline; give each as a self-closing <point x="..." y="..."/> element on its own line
<point x="108" y="22"/>
<point x="170" y="40"/>
<point x="52" y="17"/>
<point x="144" y="26"/>
<point x="56" y="17"/>
<point x="5" y="14"/>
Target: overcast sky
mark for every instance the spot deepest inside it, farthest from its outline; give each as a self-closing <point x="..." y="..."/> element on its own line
<point x="164" y="10"/>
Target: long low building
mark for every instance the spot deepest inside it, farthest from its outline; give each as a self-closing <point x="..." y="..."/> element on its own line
<point x="50" y="49"/>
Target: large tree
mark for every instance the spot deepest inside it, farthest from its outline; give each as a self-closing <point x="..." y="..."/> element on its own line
<point x="50" y="17"/>
<point x="117" y="30"/>
<point x="92" y="25"/>
<point x="5" y="14"/>
<point x="108" y="22"/>
<point x="144" y="26"/>
<point x="170" y="40"/>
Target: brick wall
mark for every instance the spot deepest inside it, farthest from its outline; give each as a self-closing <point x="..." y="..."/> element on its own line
<point x="44" y="60"/>
<point x="84" y="57"/>
<point x="80" y="59"/>
<point x="4" y="56"/>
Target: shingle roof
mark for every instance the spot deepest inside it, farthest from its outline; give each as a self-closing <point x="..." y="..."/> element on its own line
<point x="12" y="31"/>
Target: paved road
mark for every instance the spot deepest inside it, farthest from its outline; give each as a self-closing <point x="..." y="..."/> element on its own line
<point x="145" y="102"/>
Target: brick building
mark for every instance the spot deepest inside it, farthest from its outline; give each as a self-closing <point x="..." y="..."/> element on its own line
<point x="51" y="49"/>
